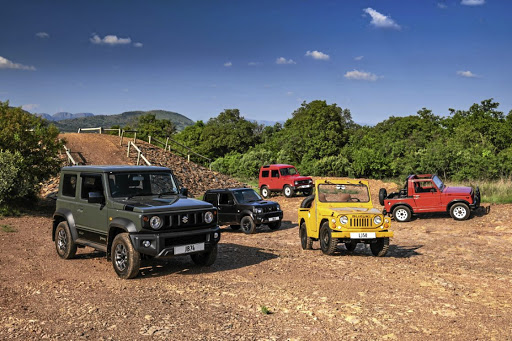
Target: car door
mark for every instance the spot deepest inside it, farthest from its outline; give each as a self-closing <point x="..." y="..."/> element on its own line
<point x="274" y="180"/>
<point x="427" y="197"/>
<point x="91" y="218"/>
<point x="227" y="209"/>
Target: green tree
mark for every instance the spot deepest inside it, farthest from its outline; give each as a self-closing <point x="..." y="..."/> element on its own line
<point x="149" y="125"/>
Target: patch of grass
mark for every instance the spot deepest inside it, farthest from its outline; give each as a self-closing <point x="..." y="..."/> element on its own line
<point x="250" y="182"/>
<point x="492" y="191"/>
<point x="8" y="211"/>
<point x="7" y="228"/>
<point x="264" y="310"/>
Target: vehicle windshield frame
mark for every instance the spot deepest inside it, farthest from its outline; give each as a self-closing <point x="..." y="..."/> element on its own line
<point x="345" y="189"/>
<point x="239" y="196"/>
<point x="438" y="182"/>
<point x="123" y="184"/>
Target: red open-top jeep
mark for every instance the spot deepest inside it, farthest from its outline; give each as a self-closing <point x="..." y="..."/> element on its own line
<point x="427" y="193"/>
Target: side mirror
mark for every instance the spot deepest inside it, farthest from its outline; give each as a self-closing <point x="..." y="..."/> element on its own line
<point x="184" y="191"/>
<point x="96" y="198"/>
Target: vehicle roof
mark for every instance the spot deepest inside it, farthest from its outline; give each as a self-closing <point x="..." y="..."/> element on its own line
<point x="227" y="189"/>
<point x="113" y="168"/>
<point x="278" y="165"/>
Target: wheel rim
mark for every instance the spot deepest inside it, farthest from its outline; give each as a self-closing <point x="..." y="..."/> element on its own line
<point x="401" y="214"/>
<point x="246" y="226"/>
<point x="62" y="240"/>
<point x="459" y="212"/>
<point x="264" y="192"/>
<point x="287" y="191"/>
<point x="121" y="258"/>
<point x="324" y="238"/>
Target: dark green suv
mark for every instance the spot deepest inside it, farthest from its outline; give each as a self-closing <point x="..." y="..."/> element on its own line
<point x="129" y="212"/>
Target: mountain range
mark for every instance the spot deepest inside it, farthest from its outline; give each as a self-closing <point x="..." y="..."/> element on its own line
<point x="63" y="116"/>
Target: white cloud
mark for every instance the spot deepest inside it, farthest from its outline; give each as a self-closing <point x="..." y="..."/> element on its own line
<point x="110" y="40"/>
<point x="29" y="107"/>
<point x="7" y="64"/>
<point x="42" y="35"/>
<point x="380" y="20"/>
<point x="317" y="55"/>
<point x="467" y="74"/>
<point x="361" y="75"/>
<point x="358" y="58"/>
<point x="228" y="64"/>
<point x="289" y="93"/>
<point x="254" y="63"/>
<point x="472" y="2"/>
<point x="282" y="60"/>
<point x="442" y="5"/>
<point x="138" y="44"/>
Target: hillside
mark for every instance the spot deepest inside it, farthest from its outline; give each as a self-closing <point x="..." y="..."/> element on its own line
<point x="126" y="118"/>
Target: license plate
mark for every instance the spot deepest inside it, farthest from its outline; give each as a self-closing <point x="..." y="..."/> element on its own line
<point x="273" y="218"/>
<point x="362" y="235"/>
<point x="179" y="250"/>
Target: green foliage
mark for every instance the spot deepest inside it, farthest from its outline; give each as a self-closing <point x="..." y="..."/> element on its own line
<point x="7" y="228"/>
<point x="29" y="149"/>
<point x="264" y="310"/>
<point x="149" y="125"/>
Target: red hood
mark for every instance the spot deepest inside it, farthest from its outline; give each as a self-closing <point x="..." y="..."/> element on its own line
<point x="457" y="190"/>
<point x="297" y="177"/>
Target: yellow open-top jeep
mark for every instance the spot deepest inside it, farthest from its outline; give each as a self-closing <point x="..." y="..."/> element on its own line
<point x="341" y="211"/>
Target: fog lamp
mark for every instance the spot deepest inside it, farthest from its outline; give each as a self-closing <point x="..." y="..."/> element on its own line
<point x="146" y="243"/>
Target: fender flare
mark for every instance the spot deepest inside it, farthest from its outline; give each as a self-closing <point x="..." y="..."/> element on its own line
<point x="400" y="204"/>
<point x="455" y="201"/>
<point x="246" y="213"/>
<point x="64" y="214"/>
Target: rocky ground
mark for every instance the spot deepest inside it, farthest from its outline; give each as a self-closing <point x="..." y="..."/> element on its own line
<point x="441" y="279"/>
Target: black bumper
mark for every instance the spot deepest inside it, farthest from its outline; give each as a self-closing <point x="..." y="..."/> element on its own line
<point x="303" y="187"/>
<point x="163" y="244"/>
<point x="264" y="218"/>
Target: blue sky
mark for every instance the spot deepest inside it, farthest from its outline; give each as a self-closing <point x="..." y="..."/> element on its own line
<point x="377" y="58"/>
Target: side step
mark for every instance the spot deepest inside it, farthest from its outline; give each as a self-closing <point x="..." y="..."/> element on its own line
<point x="97" y="246"/>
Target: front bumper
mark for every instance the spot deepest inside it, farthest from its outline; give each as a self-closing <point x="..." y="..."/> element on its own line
<point x="302" y="187"/>
<point x="264" y="218"/>
<point x="162" y="244"/>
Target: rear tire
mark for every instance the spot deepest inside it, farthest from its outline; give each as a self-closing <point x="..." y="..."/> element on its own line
<point x="205" y="258"/>
<point x="460" y="211"/>
<point x="402" y="214"/>
<point x="265" y="192"/>
<point x="288" y="191"/>
<point x="125" y="259"/>
<point x="305" y="241"/>
<point x="380" y="247"/>
<point x="248" y="225"/>
<point x="274" y="225"/>
<point x="64" y="244"/>
<point x="327" y="243"/>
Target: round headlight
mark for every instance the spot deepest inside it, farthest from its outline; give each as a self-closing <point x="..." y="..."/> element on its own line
<point x="258" y="210"/>
<point x="343" y="220"/>
<point x="155" y="222"/>
<point x="377" y="220"/>
<point x="278" y="207"/>
<point x="208" y="217"/>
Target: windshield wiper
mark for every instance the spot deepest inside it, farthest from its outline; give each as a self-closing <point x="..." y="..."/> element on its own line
<point x="139" y="195"/>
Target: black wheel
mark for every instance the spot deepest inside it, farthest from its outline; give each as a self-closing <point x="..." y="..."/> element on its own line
<point x="248" y="225"/>
<point x="327" y="243"/>
<point x="305" y="241"/>
<point x="288" y="191"/>
<point x="382" y="195"/>
<point x="402" y="214"/>
<point x="460" y="211"/>
<point x="351" y="245"/>
<point x="274" y="225"/>
<point x="380" y="247"/>
<point x="205" y="258"/>
<point x="125" y="259"/>
<point x="307" y="192"/>
<point x="64" y="244"/>
<point x="265" y="192"/>
<point x="235" y="227"/>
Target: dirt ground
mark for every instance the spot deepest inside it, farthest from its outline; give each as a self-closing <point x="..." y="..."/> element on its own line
<point x="441" y="279"/>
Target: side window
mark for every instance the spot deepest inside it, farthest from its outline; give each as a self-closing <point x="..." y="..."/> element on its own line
<point x="224" y="198"/>
<point x="69" y="185"/>
<point x="211" y="198"/>
<point x="275" y="173"/>
<point x="264" y="174"/>
<point x="91" y="183"/>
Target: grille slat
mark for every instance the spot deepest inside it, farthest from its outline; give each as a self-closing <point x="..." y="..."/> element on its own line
<point x="361" y="222"/>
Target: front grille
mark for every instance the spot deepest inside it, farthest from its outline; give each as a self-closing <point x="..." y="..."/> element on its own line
<point x="303" y="182"/>
<point x="268" y="209"/>
<point x="184" y="240"/>
<point x="361" y="222"/>
<point x="185" y="219"/>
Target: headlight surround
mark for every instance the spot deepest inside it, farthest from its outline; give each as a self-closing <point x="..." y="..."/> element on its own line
<point x="155" y="222"/>
<point x="258" y="210"/>
<point x="377" y="220"/>
<point x="278" y="207"/>
<point x="343" y="220"/>
<point x="208" y="217"/>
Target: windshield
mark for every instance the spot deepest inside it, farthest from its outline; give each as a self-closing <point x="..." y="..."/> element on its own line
<point x="288" y="171"/>
<point x="343" y="193"/>
<point x="134" y="184"/>
<point x="246" y="195"/>
<point x="439" y="183"/>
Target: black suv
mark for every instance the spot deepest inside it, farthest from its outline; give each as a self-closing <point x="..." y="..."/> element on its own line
<point x="243" y="207"/>
<point x="129" y="211"/>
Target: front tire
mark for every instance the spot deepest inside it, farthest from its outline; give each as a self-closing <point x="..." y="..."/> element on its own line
<point x="460" y="211"/>
<point x="305" y="242"/>
<point x="265" y="192"/>
<point x="248" y="225"/>
<point x="327" y="243"/>
<point x="205" y="258"/>
<point x="402" y="214"/>
<point x="64" y="244"/>
<point x="274" y="225"/>
<point x="380" y="247"/>
<point x="288" y="191"/>
<point x="125" y="259"/>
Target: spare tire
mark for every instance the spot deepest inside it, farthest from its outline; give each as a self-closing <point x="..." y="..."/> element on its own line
<point x="382" y="195"/>
<point x="306" y="203"/>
